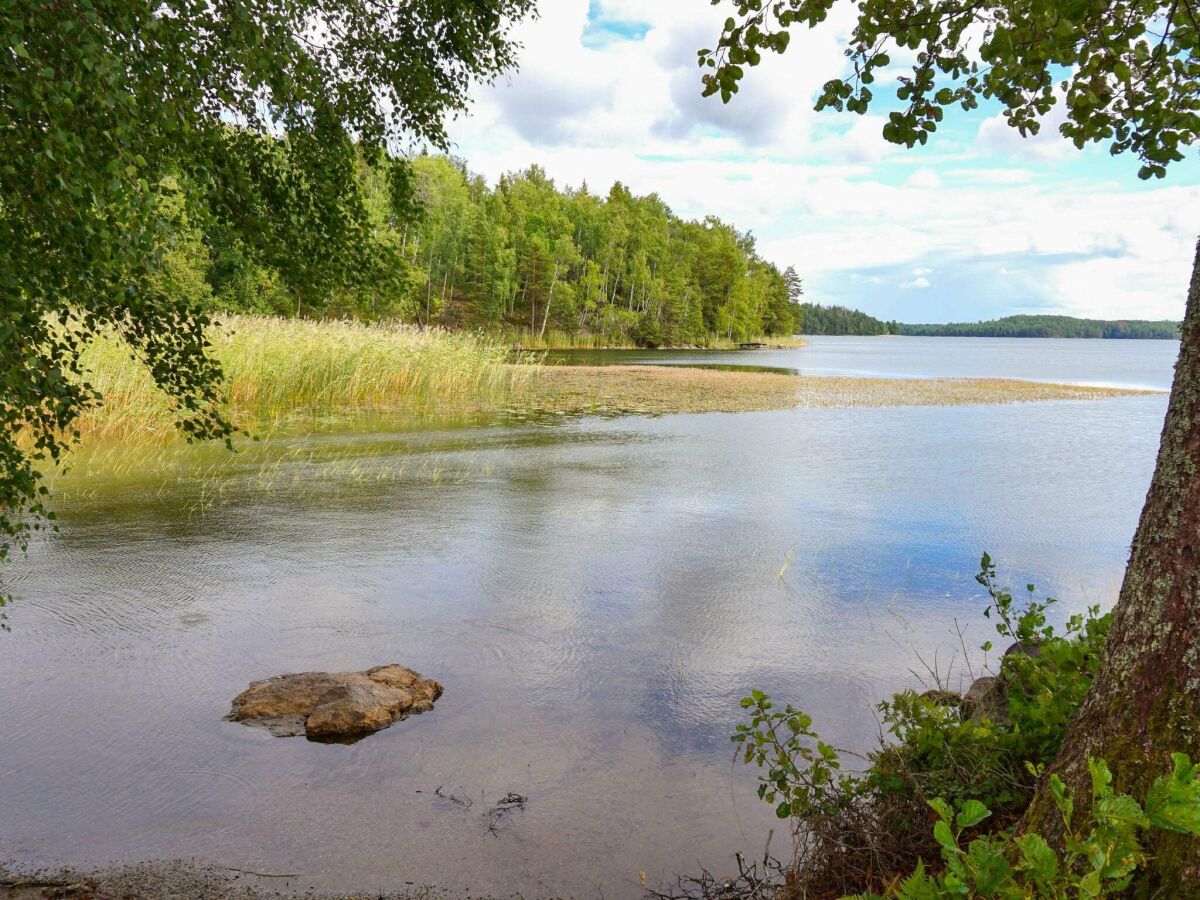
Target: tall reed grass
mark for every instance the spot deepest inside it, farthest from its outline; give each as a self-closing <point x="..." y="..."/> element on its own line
<point x="554" y="339"/>
<point x="277" y="368"/>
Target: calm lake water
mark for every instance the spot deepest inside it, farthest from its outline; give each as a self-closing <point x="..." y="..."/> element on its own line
<point x="595" y="594"/>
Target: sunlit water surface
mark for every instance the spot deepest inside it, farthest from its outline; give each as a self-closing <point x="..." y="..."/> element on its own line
<point x="595" y="594"/>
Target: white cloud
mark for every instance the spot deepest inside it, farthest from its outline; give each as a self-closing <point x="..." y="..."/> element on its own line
<point x="924" y="180"/>
<point x="824" y="191"/>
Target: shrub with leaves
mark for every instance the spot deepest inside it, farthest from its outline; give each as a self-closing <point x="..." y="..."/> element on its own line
<point x="1103" y="850"/>
<point x="857" y="831"/>
<point x="958" y="752"/>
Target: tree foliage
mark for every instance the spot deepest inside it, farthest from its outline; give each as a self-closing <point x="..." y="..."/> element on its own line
<point x="841" y="320"/>
<point x="1128" y="71"/>
<point x="259" y="112"/>
<point x="528" y="258"/>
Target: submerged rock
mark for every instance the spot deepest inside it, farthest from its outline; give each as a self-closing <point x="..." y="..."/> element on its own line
<point x="335" y="706"/>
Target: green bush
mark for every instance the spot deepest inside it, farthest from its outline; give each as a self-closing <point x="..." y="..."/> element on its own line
<point x="854" y="831"/>
<point x="959" y="753"/>
<point x="1101" y="856"/>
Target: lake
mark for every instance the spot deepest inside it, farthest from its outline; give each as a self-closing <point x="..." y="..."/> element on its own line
<point x="596" y="594"/>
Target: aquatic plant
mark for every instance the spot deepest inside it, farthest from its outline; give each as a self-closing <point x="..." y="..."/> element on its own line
<point x="655" y="389"/>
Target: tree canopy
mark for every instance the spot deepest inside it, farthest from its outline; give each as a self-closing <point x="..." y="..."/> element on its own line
<point x="1127" y="71"/>
<point x="258" y="111"/>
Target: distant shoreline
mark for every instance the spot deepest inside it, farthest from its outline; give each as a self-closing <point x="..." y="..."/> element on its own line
<point x="721" y="346"/>
<point x="827" y="321"/>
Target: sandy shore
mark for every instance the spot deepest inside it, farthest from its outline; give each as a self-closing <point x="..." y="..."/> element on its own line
<point x="658" y="389"/>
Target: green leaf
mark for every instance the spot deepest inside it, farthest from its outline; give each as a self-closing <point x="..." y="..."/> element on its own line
<point x="1121" y="810"/>
<point x="942" y="808"/>
<point x="1173" y="802"/>
<point x="972" y="813"/>
<point x="945" y="837"/>
<point x="1037" y="858"/>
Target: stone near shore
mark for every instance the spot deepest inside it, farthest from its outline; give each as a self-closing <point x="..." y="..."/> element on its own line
<point x="335" y="706"/>
<point x="986" y="699"/>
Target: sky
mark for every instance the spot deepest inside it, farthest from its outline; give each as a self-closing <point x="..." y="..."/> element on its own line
<point x="977" y="224"/>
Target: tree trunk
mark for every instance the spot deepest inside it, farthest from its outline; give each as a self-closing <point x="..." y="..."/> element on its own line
<point x="549" y="300"/>
<point x="1145" y="701"/>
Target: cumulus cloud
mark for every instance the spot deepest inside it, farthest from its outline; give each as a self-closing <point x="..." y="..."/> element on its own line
<point x="610" y="90"/>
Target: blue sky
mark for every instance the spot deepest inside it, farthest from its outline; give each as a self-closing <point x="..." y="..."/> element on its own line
<point x="978" y="223"/>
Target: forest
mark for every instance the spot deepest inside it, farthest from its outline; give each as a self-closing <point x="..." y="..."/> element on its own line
<point x="819" y="320"/>
<point x="1051" y="327"/>
<point x="539" y="264"/>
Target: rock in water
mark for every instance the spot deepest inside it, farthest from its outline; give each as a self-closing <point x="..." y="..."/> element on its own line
<point x="335" y="706"/>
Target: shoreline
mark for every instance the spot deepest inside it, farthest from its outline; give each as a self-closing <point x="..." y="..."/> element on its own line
<point x="720" y="346"/>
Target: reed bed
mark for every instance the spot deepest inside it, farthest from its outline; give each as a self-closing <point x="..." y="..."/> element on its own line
<point x="565" y="340"/>
<point x="670" y="389"/>
<point x="280" y="368"/>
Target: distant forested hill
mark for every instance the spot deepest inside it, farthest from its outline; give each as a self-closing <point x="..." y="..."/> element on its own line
<point x="1050" y="326"/>
<point x="840" y="320"/>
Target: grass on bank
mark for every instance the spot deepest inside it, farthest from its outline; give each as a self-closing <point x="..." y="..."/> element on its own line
<point x="275" y="368"/>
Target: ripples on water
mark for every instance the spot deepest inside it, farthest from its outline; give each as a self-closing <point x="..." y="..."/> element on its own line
<point x="595" y="596"/>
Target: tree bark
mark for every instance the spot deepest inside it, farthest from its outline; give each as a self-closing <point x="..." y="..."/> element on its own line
<point x="1145" y="701"/>
<point x="549" y="300"/>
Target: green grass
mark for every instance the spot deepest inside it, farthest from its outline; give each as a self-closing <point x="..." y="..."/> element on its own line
<point x="277" y="368"/>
